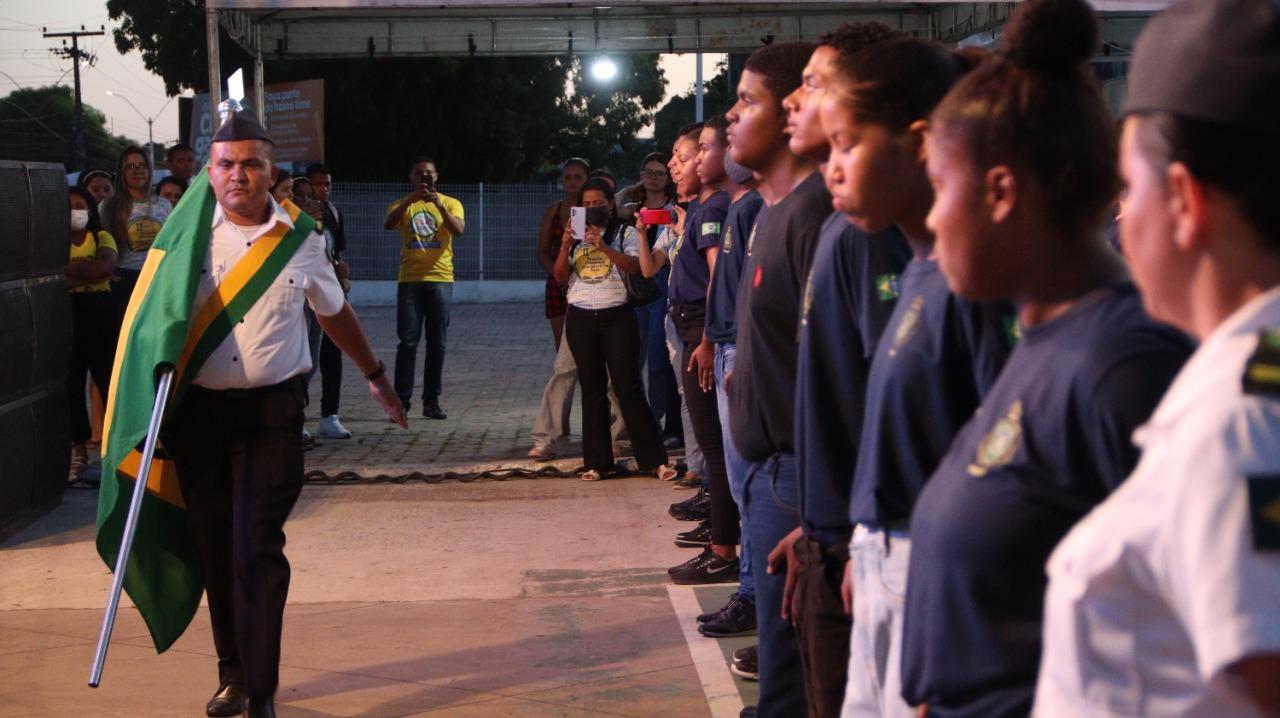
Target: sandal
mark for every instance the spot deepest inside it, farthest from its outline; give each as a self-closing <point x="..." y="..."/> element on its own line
<point x="541" y="453"/>
<point x="590" y="475"/>
<point x="667" y="472"/>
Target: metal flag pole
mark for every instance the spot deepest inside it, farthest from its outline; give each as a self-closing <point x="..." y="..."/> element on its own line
<point x="130" y="525"/>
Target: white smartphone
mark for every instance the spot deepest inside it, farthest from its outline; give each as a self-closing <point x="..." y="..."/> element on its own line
<point x="578" y="222"/>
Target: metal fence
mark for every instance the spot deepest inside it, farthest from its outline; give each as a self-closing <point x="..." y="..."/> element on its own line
<point x="500" y="241"/>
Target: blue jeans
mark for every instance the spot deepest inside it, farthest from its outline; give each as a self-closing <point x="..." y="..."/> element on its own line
<point x="770" y="502"/>
<point x="420" y="304"/>
<point x="736" y="467"/>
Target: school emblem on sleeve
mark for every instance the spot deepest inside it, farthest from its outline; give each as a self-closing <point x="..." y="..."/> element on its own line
<point x="907" y="326"/>
<point x="1262" y="373"/>
<point x="751" y="239"/>
<point x="1264" y="511"/>
<point x="887" y="287"/>
<point x="710" y="228"/>
<point x="1012" y="330"/>
<point x="808" y="300"/>
<point x="1000" y="444"/>
<point x="726" y="245"/>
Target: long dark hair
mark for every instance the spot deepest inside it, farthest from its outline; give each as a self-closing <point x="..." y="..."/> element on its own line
<point x="95" y="220"/>
<point x="116" y="208"/>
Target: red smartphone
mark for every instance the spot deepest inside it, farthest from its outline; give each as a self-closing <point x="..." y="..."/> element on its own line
<point x="654" y="217"/>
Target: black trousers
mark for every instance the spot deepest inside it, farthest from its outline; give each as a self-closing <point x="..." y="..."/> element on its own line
<point x="822" y="626"/>
<point x="239" y="456"/>
<point x="93" y="332"/>
<point x="704" y="415"/>
<point x="605" y="345"/>
<point x="330" y="376"/>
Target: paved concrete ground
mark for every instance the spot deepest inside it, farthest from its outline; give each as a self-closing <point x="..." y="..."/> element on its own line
<point x="543" y="597"/>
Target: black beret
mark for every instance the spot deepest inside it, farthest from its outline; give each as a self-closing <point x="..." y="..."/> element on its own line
<point x="1212" y="60"/>
<point x="242" y="125"/>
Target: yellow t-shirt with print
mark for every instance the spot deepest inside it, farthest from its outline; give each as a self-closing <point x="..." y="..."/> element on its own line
<point x="426" y="244"/>
<point x="87" y="251"/>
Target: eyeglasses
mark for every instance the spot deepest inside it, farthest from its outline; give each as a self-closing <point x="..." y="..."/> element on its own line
<point x="135" y="166"/>
<point x="654" y="174"/>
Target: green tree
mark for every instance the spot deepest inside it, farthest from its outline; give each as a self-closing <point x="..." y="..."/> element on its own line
<point x="604" y="117"/>
<point x="719" y="94"/>
<point x="170" y="36"/>
<point x="36" y="123"/>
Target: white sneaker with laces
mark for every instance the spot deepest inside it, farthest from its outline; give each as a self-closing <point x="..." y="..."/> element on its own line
<point x="330" y="428"/>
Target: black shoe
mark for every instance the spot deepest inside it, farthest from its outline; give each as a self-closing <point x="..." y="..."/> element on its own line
<point x="691" y="562"/>
<point x="711" y="569"/>
<point x="713" y="615"/>
<point x="747" y="712"/>
<point x="695" y="538"/>
<point x="746" y="662"/>
<point x="685" y="503"/>
<point x="737" y="619"/>
<point x="227" y="701"/>
<point x="433" y="411"/>
<point x="694" y="511"/>
<point x="260" y="707"/>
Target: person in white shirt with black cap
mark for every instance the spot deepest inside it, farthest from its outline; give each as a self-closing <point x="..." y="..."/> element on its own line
<point x="1165" y="600"/>
<point x="236" y="435"/>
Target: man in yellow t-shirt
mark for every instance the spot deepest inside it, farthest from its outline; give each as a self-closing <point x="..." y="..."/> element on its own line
<point x="428" y="222"/>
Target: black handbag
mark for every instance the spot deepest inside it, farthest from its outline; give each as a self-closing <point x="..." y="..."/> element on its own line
<point x="641" y="290"/>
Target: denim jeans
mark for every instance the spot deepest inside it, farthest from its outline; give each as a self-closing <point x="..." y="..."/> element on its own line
<point x="770" y="499"/>
<point x="693" y="460"/>
<point x="736" y="467"/>
<point x="880" y="561"/>
<point x="420" y="304"/>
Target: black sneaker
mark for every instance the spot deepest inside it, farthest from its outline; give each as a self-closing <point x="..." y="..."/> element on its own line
<point x="694" y="511"/>
<point x="712" y="569"/>
<point x="702" y="493"/>
<point x="433" y="411"/>
<point x="746" y="663"/>
<point x="737" y="619"/>
<point x="713" y="615"/>
<point x="747" y="712"/>
<point x="691" y="562"/>
<point x="695" y="538"/>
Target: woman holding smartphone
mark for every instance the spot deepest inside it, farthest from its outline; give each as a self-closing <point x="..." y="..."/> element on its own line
<point x="603" y="336"/>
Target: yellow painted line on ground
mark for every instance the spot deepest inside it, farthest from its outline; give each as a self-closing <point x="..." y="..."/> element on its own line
<point x="717" y="682"/>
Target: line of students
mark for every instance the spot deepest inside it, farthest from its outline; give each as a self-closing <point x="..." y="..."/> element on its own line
<point x="941" y="364"/>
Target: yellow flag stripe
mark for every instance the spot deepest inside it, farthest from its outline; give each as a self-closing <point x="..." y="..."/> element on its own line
<point x="162" y="482"/>
<point x="229" y="287"/>
<point x="148" y="273"/>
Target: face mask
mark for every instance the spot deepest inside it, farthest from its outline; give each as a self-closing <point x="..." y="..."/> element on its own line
<point x="598" y="216"/>
<point x="79" y="219"/>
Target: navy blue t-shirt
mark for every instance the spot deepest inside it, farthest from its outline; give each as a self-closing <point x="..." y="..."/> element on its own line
<point x="1051" y="441"/>
<point x="938" y="357"/>
<point x="762" y="393"/>
<point x="728" y="271"/>
<point x="848" y="300"/>
<point x="703" y="226"/>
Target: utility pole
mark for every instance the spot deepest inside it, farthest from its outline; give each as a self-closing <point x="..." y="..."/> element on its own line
<point x="75" y="54"/>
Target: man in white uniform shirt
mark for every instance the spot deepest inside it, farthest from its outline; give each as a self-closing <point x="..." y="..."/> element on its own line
<point x="1165" y="600"/>
<point x="236" y="436"/>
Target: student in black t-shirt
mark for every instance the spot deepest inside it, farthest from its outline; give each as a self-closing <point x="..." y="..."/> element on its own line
<point x="1023" y="194"/>
<point x="939" y="354"/>
<point x="761" y="388"/>
<point x="840" y="319"/>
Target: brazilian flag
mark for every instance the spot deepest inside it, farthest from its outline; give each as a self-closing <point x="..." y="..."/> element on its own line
<point x="161" y="328"/>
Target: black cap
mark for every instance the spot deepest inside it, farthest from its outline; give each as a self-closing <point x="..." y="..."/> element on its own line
<point x="1212" y="60"/>
<point x="240" y="125"/>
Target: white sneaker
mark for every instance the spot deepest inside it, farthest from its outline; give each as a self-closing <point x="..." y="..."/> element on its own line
<point x="331" y="428"/>
<point x="306" y="435"/>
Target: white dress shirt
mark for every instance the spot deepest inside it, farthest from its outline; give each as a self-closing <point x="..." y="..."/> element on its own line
<point x="1160" y="589"/>
<point x="270" y="344"/>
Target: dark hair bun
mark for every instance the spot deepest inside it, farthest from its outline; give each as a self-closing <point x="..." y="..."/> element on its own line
<point x="1050" y="35"/>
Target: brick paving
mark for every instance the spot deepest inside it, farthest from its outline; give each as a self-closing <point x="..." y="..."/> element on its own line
<point x="498" y="358"/>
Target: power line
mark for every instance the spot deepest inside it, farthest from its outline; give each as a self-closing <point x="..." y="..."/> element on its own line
<point x="75" y="54"/>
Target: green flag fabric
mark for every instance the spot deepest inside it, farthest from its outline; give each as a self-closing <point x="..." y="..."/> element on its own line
<point x="160" y="328"/>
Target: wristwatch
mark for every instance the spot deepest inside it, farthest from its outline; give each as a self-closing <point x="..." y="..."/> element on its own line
<point x="376" y="374"/>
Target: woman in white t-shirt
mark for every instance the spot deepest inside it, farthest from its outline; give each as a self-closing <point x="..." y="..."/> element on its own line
<point x="133" y="214"/>
<point x="603" y="335"/>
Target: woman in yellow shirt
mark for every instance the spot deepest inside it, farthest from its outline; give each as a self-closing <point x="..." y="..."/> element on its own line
<point x="92" y="261"/>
